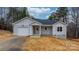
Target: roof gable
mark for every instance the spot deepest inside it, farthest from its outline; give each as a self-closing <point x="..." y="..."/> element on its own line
<point x="24" y="19"/>
<point x="60" y="22"/>
<point x="20" y="20"/>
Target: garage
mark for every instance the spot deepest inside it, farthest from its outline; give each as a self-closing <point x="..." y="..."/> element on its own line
<point x="22" y="31"/>
<point x="22" y="27"/>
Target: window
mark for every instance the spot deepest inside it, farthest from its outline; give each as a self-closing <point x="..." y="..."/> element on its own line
<point x="59" y="29"/>
<point x="37" y="29"/>
<point x="45" y="28"/>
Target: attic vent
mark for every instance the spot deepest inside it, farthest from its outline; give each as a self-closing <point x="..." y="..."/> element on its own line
<point x="22" y="25"/>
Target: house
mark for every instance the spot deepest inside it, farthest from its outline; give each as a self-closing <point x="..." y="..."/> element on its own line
<point x="29" y="26"/>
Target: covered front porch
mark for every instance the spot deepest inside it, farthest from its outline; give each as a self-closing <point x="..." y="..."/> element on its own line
<point x="42" y="30"/>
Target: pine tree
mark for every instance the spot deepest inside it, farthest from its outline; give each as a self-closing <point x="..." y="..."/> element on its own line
<point x="61" y="12"/>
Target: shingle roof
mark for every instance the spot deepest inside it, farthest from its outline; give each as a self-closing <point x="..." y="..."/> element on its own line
<point x="47" y="21"/>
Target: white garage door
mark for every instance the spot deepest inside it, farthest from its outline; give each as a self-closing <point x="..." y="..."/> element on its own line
<point x="23" y="31"/>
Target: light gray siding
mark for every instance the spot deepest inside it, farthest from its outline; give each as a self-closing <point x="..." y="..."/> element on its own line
<point x="59" y="34"/>
<point x="23" y="28"/>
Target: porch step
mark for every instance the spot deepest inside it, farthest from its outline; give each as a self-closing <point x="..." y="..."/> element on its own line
<point x="35" y="36"/>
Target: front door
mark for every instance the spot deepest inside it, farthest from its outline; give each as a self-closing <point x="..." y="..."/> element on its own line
<point x="36" y="30"/>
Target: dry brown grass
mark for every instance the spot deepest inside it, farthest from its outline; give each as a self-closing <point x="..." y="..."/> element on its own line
<point x="49" y="43"/>
<point x="5" y="34"/>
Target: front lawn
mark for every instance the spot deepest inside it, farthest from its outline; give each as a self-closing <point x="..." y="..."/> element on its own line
<point x="49" y="43"/>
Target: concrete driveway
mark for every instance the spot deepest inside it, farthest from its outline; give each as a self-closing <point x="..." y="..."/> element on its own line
<point x="12" y="44"/>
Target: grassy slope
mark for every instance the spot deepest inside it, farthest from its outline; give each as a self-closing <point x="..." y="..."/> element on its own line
<point x="48" y="43"/>
<point x="5" y="34"/>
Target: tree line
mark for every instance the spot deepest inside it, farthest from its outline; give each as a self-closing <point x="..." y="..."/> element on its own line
<point x="13" y="15"/>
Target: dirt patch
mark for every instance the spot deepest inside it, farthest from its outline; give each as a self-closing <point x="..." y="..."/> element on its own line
<point x="5" y="34"/>
<point x="49" y="43"/>
<point x="14" y="48"/>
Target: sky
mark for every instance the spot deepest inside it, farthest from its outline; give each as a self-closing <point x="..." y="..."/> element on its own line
<point x="3" y="12"/>
<point x="41" y="12"/>
<point x="37" y="12"/>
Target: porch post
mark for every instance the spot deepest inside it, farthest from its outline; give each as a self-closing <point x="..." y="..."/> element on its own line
<point x="32" y="30"/>
<point x="40" y="30"/>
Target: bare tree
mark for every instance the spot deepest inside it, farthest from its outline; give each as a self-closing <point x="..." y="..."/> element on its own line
<point x="75" y="15"/>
